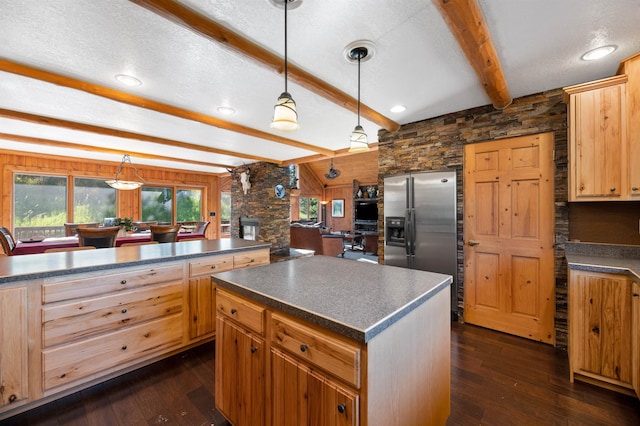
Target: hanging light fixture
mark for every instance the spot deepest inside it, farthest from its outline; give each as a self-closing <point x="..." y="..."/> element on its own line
<point x="333" y="173"/>
<point x="359" y="141"/>
<point x="285" y="116"/>
<point x="125" y="184"/>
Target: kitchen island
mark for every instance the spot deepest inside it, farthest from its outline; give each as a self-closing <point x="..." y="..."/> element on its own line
<point x="325" y="341"/>
<point x="70" y="320"/>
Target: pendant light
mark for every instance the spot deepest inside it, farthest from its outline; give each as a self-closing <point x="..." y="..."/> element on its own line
<point x="359" y="141"/>
<point x="285" y="116"/>
<point x="125" y="184"/>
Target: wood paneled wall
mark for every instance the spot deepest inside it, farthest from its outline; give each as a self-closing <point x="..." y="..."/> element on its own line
<point x="344" y="192"/>
<point x="129" y="203"/>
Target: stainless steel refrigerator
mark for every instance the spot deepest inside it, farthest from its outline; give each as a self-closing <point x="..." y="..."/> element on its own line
<point x="420" y="223"/>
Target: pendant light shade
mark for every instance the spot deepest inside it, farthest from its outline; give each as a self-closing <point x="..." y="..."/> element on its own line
<point x="359" y="142"/>
<point x="285" y="115"/>
<point x="126" y="185"/>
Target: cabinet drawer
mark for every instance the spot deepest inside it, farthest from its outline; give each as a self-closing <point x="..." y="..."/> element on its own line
<point x="84" y="318"/>
<point x="91" y="356"/>
<point x="210" y="265"/>
<point x="333" y="355"/>
<point x="251" y="258"/>
<point x="244" y="312"/>
<point x="66" y="288"/>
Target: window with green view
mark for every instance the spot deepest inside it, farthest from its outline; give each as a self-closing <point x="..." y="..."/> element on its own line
<point x="188" y="205"/>
<point x="157" y="204"/>
<point x="93" y="200"/>
<point x="39" y="201"/>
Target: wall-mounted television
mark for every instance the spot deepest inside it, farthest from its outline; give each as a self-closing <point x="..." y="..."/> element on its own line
<point x="366" y="211"/>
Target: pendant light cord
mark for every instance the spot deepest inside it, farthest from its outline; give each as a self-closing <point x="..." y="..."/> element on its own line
<point x="285" y="44"/>
<point x="359" y="56"/>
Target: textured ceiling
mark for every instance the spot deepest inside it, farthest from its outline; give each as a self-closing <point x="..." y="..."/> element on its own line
<point x="417" y="63"/>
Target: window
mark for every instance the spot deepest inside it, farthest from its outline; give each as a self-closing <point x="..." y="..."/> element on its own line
<point x="93" y="200"/>
<point x="225" y="213"/>
<point x="157" y="204"/>
<point x="188" y="205"/>
<point x="309" y="209"/>
<point x="40" y="206"/>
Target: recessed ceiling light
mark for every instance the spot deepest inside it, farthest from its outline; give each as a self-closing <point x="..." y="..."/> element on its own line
<point x="399" y="108"/>
<point x="128" y="80"/>
<point x="226" y="110"/>
<point x="598" y="53"/>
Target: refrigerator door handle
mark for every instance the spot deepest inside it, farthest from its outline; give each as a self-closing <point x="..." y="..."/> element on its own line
<point x="407" y="231"/>
<point x="413" y="231"/>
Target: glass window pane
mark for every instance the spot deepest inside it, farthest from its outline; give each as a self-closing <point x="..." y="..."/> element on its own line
<point x="304" y="208"/>
<point x="157" y="204"/>
<point x="93" y="200"/>
<point x="188" y="205"/>
<point x="40" y="206"/>
<point x="225" y="213"/>
<point x="313" y="209"/>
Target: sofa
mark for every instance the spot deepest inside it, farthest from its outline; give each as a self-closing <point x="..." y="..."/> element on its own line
<point x="311" y="238"/>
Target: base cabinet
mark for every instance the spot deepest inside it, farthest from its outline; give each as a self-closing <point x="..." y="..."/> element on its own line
<point x="13" y="341"/>
<point x="602" y="335"/>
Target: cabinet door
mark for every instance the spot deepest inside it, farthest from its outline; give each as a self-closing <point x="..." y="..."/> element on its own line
<point x="13" y="346"/>
<point x="597" y="143"/>
<point x="601" y="327"/>
<point x="240" y="374"/>
<point x="635" y="300"/>
<point x="202" y="302"/>
<point x="304" y="397"/>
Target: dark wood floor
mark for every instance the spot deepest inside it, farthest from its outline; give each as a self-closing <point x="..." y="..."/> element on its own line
<point x="496" y="379"/>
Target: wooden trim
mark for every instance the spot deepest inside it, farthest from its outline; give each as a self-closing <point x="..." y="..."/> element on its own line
<point x="592" y="85"/>
<point x="212" y="30"/>
<point x="140" y="102"/>
<point x="466" y="22"/>
<point x="72" y="125"/>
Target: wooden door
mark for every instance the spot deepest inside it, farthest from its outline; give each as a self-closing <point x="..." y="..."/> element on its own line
<point x="240" y="375"/>
<point x="508" y="233"/>
<point x="13" y="346"/>
<point x="635" y="336"/>
<point x="202" y="302"/>
<point x="304" y="397"/>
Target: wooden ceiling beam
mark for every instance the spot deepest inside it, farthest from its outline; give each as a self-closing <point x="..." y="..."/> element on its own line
<point x="140" y="102"/>
<point x="90" y="148"/>
<point x="72" y="125"/>
<point x="466" y="22"/>
<point x="200" y="24"/>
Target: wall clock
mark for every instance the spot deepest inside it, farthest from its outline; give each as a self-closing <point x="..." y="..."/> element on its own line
<point x="279" y="190"/>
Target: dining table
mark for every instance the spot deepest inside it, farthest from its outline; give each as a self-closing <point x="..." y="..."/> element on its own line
<point x="36" y="246"/>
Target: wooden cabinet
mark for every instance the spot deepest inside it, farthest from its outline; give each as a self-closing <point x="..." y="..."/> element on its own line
<point x="599" y="162"/>
<point x="304" y="397"/>
<point x="91" y="324"/>
<point x="13" y="341"/>
<point x="602" y="344"/>
<point x="635" y="332"/>
<point x="240" y="360"/>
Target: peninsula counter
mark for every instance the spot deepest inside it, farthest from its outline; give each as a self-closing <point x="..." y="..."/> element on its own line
<point x="322" y="340"/>
<point x="69" y="320"/>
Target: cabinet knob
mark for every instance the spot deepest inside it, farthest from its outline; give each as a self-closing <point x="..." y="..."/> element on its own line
<point x="634" y="188"/>
<point x="303" y="348"/>
<point x="123" y="282"/>
<point x="124" y="348"/>
<point x="12" y="398"/>
<point x="213" y="266"/>
<point x="252" y="260"/>
<point x="596" y="329"/>
<point x="635" y="294"/>
<point x="612" y="189"/>
<point x="342" y="408"/>
<point x="124" y="311"/>
<point x="233" y="311"/>
<point x="253" y="349"/>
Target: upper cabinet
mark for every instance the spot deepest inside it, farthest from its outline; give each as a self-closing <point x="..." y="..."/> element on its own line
<point x="598" y="143"/>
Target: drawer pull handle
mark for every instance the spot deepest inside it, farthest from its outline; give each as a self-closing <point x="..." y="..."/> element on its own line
<point x="233" y="311"/>
<point x="124" y="348"/>
<point x="123" y="282"/>
<point x="635" y="188"/>
<point x="213" y="266"/>
<point x="342" y="408"/>
<point x="124" y="311"/>
<point x="635" y="294"/>
<point x="253" y="349"/>
<point x="303" y="348"/>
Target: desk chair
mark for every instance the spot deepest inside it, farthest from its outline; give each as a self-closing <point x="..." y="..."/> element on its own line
<point x="71" y="229"/>
<point x="165" y="233"/>
<point x="7" y="241"/>
<point x="98" y="237"/>
<point x="59" y="249"/>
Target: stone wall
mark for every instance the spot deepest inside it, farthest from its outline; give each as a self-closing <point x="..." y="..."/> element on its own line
<point x="260" y="202"/>
<point x="438" y="143"/>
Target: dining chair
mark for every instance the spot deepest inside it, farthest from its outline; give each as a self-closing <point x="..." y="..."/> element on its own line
<point x="98" y="237"/>
<point x="71" y="229"/>
<point x="7" y="241"/>
<point x="139" y="243"/>
<point x="59" y="249"/>
<point x="144" y="226"/>
<point x="165" y="233"/>
<point x="202" y="227"/>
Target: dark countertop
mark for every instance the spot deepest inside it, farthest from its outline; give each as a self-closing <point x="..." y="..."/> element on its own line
<point x="354" y="299"/>
<point x="34" y="266"/>
<point x="608" y="258"/>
